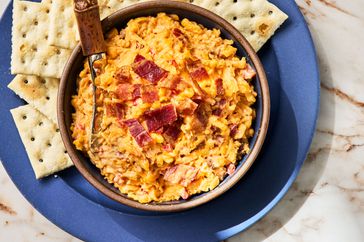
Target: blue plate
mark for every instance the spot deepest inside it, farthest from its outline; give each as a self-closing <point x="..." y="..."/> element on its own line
<point x="74" y="205"/>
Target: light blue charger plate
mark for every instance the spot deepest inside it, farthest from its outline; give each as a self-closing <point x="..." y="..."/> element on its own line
<point x="73" y="204"/>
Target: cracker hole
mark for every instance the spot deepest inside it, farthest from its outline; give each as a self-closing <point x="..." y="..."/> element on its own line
<point x="235" y="1"/>
<point x="65" y="151"/>
<point x="252" y="15"/>
<point x="22" y="61"/>
<point x="58" y="52"/>
<point x="24" y="117"/>
<point x="235" y="18"/>
<point x="57" y="130"/>
<point x="40" y="123"/>
<point x="46" y="37"/>
<point x="270" y="12"/>
<point x="47" y="97"/>
<point x="217" y="3"/>
<point x="252" y="32"/>
<point x="34" y="49"/>
<point x="45" y="63"/>
<point x="49" y="144"/>
<point x="47" y="11"/>
<point x="43" y="81"/>
<point x="35" y="22"/>
<point x="62" y="9"/>
<point x="25" y="9"/>
<point x="32" y="138"/>
<point x="25" y="81"/>
<point x="40" y="160"/>
<point x="191" y="1"/>
<point x="24" y="35"/>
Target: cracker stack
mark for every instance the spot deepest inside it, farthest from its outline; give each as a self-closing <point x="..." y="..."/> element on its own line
<point x="43" y="35"/>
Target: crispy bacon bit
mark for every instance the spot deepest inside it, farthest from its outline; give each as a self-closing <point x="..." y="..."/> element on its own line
<point x="148" y="69"/>
<point x="201" y="117"/>
<point x="233" y="130"/>
<point x="139" y="58"/>
<point x="171" y="132"/>
<point x="199" y="74"/>
<point x="196" y="70"/>
<point x="124" y="92"/>
<point x="138" y="132"/>
<point x="115" y="110"/>
<point x="177" y="32"/>
<point x="149" y="93"/>
<point x="219" y="87"/>
<point x="230" y="169"/>
<point x="136" y="92"/>
<point x="185" y="107"/>
<point x="217" y="112"/>
<point x="220" y="107"/>
<point x="248" y="72"/>
<point x="181" y="174"/>
<point x="159" y="117"/>
<point x="122" y="75"/>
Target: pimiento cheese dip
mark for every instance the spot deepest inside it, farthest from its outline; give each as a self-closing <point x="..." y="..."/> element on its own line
<point x="174" y="109"/>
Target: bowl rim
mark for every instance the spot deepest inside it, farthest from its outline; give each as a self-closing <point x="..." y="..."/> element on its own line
<point x="223" y="187"/>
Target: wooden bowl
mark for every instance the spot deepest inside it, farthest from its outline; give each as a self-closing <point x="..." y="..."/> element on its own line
<point x="207" y="19"/>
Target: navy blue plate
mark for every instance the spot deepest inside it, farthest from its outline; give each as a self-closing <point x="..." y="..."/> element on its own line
<point x="73" y="204"/>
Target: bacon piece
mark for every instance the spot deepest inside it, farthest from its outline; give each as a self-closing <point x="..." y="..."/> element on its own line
<point x="220" y="106"/>
<point x="201" y="117"/>
<point x="171" y="132"/>
<point x="122" y="75"/>
<point x="159" y="117"/>
<point x="139" y="58"/>
<point x="219" y="87"/>
<point x="199" y="74"/>
<point x="149" y="93"/>
<point x="248" y="72"/>
<point x="185" y="107"/>
<point x="233" y="130"/>
<point x="115" y="110"/>
<point x="148" y="69"/>
<point x="124" y="92"/>
<point x="196" y="70"/>
<point x="136" y="92"/>
<point x="230" y="169"/>
<point x="177" y="32"/>
<point x="181" y="174"/>
<point x="138" y="132"/>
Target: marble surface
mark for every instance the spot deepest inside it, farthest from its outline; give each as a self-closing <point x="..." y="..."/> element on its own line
<point x="326" y="202"/>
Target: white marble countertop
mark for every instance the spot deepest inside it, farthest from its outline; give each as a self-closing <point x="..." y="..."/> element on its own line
<point x="326" y="203"/>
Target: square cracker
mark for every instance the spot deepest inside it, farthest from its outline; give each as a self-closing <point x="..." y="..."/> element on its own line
<point x="63" y="31"/>
<point x="62" y="25"/>
<point x="39" y="92"/>
<point x="31" y="53"/>
<point x="42" y="141"/>
<point x="257" y="20"/>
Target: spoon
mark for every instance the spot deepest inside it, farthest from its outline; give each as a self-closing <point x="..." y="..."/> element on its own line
<point x="93" y="44"/>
